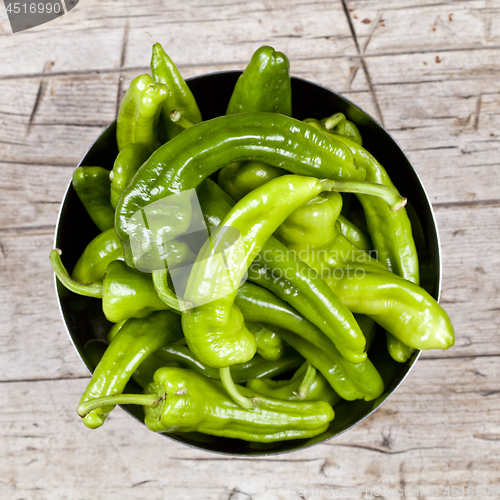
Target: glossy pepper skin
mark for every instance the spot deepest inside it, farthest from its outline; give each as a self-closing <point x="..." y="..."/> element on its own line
<point x="180" y="355"/>
<point x="194" y="403"/>
<point x="102" y="250"/>
<point x="186" y="160"/>
<point x="135" y="341"/>
<point x="128" y="161"/>
<point x="282" y="272"/>
<point x="165" y="72"/>
<point x="318" y="390"/>
<point x="404" y="309"/>
<point x="125" y="292"/>
<point x="269" y="345"/>
<point x="350" y="381"/>
<point x="265" y="85"/>
<point x="390" y="232"/>
<point x="139" y="113"/>
<point x="93" y="187"/>
<point x="338" y="123"/>
<point x="238" y="179"/>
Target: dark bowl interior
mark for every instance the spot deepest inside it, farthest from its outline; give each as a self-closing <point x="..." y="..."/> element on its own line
<point x="84" y="318"/>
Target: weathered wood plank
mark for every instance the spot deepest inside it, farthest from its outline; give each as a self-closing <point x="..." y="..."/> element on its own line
<point x="444" y="406"/>
<point x="400" y="26"/>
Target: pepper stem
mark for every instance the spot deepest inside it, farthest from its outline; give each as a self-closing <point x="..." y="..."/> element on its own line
<point x="87" y="289"/>
<point x="166" y="294"/>
<point x="119" y="399"/>
<point x="307" y="381"/>
<point x="389" y="194"/>
<point x="178" y="117"/>
<point x="337" y="120"/>
<point x="232" y="390"/>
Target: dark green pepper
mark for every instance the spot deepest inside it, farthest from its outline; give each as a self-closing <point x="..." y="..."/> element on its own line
<point x="93" y="187"/>
<point x="139" y="113"/>
<point x="135" y="341"/>
<point x="102" y="250"/>
<point x="180" y="98"/>
<point x="180" y="400"/>
<point x="186" y="160"/>
<point x="128" y="161"/>
<point x="265" y="85"/>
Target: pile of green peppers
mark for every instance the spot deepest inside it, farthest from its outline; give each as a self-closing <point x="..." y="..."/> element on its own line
<point x="268" y="358"/>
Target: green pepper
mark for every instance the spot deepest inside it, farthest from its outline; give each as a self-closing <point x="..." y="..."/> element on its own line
<point x="354" y="234"/>
<point x="165" y="72"/>
<point x="214" y="328"/>
<point x="406" y="310"/>
<point x="238" y="179"/>
<point x="180" y="400"/>
<point x="187" y="159"/>
<point x="269" y="345"/>
<point x="390" y="231"/>
<point x="282" y="272"/>
<point x="125" y="292"/>
<point x="399" y="351"/>
<point x="135" y="341"/>
<point x="265" y="85"/>
<point x="93" y="187"/>
<point x="350" y="381"/>
<point x="128" y="161"/>
<point x="102" y="250"/>
<point x="139" y="113"/>
<point x="300" y="387"/>
<point x="257" y="367"/>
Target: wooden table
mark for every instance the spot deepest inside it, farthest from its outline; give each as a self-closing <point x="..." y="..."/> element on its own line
<point x="428" y="70"/>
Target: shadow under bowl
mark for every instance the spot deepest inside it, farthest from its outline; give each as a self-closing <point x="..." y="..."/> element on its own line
<point x="85" y="320"/>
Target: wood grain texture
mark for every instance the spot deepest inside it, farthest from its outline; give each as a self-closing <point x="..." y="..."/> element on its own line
<point x="428" y="69"/>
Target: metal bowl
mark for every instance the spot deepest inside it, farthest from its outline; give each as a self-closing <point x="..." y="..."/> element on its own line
<point x="85" y="321"/>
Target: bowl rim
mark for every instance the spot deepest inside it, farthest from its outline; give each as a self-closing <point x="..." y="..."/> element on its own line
<point x="412" y="361"/>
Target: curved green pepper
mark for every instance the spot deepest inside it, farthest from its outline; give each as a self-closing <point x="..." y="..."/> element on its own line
<point x="185" y="161"/>
<point x="350" y="381"/>
<point x="125" y="292"/>
<point x="93" y="187"/>
<point x="128" y="161"/>
<point x="181" y="400"/>
<point x="102" y="250"/>
<point x="135" y="341"/>
<point x="406" y="310"/>
<point x="165" y="72"/>
<point x="318" y="389"/>
<point x="139" y="113"/>
<point x="265" y="85"/>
